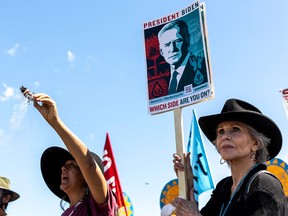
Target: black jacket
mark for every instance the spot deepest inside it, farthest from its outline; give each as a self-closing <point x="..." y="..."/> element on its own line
<point x="260" y="194"/>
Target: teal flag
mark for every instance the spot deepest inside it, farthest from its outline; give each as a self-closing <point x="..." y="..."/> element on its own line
<point x="202" y="176"/>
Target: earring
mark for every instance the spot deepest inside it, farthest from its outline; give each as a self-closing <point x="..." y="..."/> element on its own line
<point x="222" y="161"/>
<point x="253" y="156"/>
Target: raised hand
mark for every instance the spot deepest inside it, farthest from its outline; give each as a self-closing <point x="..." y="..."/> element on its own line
<point x="46" y="106"/>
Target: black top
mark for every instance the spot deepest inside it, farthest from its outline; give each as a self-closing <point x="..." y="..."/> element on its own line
<point x="259" y="194"/>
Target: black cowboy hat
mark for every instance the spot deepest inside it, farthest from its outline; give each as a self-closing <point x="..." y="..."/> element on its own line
<point x="52" y="160"/>
<point x="238" y="110"/>
<point x="5" y="185"/>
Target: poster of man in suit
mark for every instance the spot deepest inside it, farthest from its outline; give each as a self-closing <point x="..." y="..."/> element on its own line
<point x="178" y="71"/>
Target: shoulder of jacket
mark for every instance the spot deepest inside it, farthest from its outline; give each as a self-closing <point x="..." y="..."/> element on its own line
<point x="260" y="174"/>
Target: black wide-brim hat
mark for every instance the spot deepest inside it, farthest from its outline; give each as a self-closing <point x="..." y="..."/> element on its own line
<point x="238" y="110"/>
<point x="52" y="160"/>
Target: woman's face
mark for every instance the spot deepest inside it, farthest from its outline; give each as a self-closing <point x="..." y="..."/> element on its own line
<point x="234" y="141"/>
<point x="6" y="197"/>
<point x="71" y="177"/>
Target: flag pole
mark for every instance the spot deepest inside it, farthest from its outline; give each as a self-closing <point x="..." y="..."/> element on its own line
<point x="178" y="123"/>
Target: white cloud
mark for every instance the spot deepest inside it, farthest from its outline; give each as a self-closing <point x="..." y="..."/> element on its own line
<point x="19" y="109"/>
<point x="12" y="51"/>
<point x="91" y="136"/>
<point x="36" y="83"/>
<point x="19" y="112"/>
<point x="2" y="142"/>
<point x="71" y="56"/>
<point x="7" y="94"/>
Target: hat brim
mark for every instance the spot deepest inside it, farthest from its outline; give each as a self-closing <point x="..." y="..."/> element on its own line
<point x="52" y="160"/>
<point x="14" y="195"/>
<point x="258" y="121"/>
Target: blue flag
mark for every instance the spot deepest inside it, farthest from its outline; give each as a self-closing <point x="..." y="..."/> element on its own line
<point x="202" y="176"/>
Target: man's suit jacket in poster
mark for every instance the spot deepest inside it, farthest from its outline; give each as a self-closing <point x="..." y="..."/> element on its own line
<point x="195" y="73"/>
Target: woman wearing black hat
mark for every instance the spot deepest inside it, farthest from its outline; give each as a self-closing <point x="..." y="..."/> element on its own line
<point x="245" y="139"/>
<point x="76" y="175"/>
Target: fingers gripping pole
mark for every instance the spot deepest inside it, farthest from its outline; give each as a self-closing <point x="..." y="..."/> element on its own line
<point x="178" y="123"/>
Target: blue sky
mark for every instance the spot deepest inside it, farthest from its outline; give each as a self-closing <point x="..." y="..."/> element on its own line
<point x="89" y="56"/>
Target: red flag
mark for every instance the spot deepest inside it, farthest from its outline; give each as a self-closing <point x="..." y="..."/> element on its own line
<point x="111" y="173"/>
<point x="285" y="99"/>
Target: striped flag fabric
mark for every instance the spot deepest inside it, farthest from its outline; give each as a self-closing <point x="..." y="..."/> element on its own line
<point x="202" y="176"/>
<point x="112" y="177"/>
<point x="284" y="93"/>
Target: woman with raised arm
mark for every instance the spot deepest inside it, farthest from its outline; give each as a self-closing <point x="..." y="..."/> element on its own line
<point x="76" y="175"/>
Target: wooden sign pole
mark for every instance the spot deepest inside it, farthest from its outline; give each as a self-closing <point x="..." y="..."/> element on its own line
<point x="178" y="122"/>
